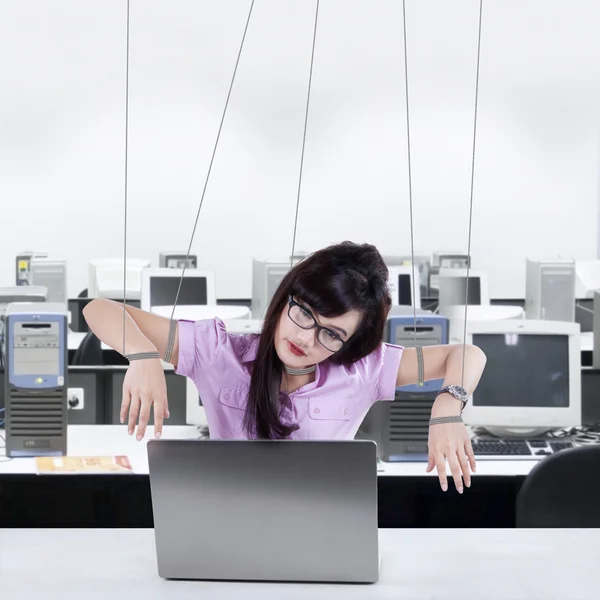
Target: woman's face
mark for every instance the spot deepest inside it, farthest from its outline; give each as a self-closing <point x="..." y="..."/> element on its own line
<point x="298" y="347"/>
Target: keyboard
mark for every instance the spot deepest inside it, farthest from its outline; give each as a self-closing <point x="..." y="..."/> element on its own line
<point x="503" y="448"/>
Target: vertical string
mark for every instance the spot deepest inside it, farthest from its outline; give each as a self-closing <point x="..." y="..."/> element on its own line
<point x="312" y="59"/>
<point x="410" y="200"/>
<point x="126" y="173"/>
<point x="212" y="159"/>
<point x="472" y="188"/>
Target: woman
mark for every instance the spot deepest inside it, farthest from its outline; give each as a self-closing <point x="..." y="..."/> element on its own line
<point x="314" y="371"/>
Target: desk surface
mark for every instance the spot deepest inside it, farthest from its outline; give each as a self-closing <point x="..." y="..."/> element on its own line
<point x="456" y="564"/>
<point x="103" y="440"/>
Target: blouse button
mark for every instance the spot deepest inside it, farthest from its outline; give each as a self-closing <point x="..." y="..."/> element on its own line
<point x="317" y="410"/>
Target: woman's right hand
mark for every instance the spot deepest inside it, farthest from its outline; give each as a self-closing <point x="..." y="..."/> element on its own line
<point x="144" y="386"/>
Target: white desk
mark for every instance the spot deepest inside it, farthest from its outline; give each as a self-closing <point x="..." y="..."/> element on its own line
<point x="503" y="564"/>
<point x="97" y="440"/>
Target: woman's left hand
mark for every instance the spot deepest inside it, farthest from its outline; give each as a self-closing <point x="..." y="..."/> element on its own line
<point x="451" y="442"/>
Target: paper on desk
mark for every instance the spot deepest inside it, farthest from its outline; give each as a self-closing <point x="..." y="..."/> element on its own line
<point x="77" y="465"/>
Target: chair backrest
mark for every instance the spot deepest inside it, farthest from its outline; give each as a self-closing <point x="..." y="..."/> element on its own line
<point x="562" y="490"/>
<point x="89" y="352"/>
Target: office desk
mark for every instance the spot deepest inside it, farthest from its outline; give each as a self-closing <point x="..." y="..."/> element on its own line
<point x="407" y="495"/>
<point x="450" y="564"/>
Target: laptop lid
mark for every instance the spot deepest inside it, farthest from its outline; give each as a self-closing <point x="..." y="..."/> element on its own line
<point x="265" y="510"/>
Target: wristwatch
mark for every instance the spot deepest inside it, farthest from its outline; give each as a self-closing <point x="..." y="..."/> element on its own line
<point x="458" y="392"/>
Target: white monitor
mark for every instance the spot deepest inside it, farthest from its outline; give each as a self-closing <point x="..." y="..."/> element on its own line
<point x="51" y="274"/>
<point x="532" y="380"/>
<point x="587" y="278"/>
<point x="21" y="293"/>
<point x="404" y="284"/>
<point x="159" y="288"/>
<point x="453" y="287"/>
<point x="266" y="277"/>
<point x="106" y="278"/>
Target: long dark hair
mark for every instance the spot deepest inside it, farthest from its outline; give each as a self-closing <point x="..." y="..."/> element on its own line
<point x="332" y="281"/>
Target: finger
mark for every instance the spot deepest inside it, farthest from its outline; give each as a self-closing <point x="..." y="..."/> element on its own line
<point x="464" y="466"/>
<point x="144" y="416"/>
<point x="440" y="464"/>
<point x="455" y="470"/>
<point x="134" y="409"/>
<point x="159" y="409"/>
<point x="430" y="463"/>
<point x="470" y="455"/>
<point x="125" y="401"/>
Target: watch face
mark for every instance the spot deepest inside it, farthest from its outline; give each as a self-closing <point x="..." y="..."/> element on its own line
<point x="457" y="389"/>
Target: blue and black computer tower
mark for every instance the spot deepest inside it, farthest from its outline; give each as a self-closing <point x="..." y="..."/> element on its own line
<point x="401" y="427"/>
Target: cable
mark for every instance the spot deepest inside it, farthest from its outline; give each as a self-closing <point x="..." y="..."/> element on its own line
<point x="312" y="60"/>
<point x="213" y="155"/>
<point x="472" y="187"/>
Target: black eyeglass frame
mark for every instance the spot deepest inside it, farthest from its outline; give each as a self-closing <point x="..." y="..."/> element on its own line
<point x="319" y="328"/>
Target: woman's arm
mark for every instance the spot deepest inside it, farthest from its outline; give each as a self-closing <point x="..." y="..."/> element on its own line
<point x="443" y="362"/>
<point x="144" y="331"/>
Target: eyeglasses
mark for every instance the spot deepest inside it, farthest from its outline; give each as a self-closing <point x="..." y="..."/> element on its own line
<point x="304" y="319"/>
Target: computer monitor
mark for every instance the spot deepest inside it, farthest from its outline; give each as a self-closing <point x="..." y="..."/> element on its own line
<point x="453" y="287"/>
<point x="21" y="293"/>
<point x="404" y="285"/>
<point x="587" y="278"/>
<point x="532" y="380"/>
<point x="106" y="278"/>
<point x="266" y="277"/>
<point x="51" y="274"/>
<point x="159" y="288"/>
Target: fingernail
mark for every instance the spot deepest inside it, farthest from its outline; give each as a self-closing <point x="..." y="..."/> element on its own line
<point x="460" y="490"/>
<point x="445" y="487"/>
<point x="158" y="435"/>
<point x="130" y="431"/>
<point x="468" y="483"/>
<point x="122" y="419"/>
<point x="138" y="437"/>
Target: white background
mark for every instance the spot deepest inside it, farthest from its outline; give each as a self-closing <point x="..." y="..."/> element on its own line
<point x="62" y="131"/>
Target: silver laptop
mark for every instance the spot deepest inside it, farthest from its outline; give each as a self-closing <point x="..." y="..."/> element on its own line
<point x="265" y="510"/>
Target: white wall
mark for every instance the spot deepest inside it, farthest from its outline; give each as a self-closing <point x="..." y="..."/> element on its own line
<point x="62" y="130"/>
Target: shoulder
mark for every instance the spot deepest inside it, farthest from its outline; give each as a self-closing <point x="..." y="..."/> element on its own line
<point x="378" y="371"/>
<point x="203" y="343"/>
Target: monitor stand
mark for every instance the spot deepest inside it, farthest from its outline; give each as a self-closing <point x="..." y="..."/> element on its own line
<point x="517" y="432"/>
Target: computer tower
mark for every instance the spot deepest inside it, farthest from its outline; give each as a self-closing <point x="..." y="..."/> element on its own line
<point x="35" y="352"/>
<point x="401" y="427"/>
<point x="23" y="266"/>
<point x="177" y="260"/>
<point x="51" y="274"/>
<point x="266" y="277"/>
<point x="550" y="290"/>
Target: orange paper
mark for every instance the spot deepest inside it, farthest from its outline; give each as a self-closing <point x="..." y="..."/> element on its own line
<point x="65" y="465"/>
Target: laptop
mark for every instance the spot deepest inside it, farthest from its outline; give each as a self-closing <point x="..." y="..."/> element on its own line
<point x="265" y="510"/>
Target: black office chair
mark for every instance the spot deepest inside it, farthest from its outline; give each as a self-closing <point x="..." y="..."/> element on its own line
<point x="83" y="293"/>
<point x="562" y="490"/>
<point x="89" y="352"/>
